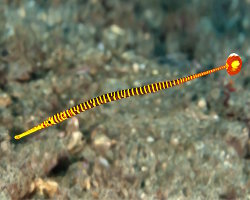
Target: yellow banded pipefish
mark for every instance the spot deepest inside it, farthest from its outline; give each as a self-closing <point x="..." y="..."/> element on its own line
<point x="233" y="66"/>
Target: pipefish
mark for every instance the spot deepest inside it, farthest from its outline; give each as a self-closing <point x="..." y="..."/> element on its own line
<point x="233" y="66"/>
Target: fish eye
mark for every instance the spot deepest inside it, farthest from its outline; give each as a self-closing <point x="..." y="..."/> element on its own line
<point x="49" y="122"/>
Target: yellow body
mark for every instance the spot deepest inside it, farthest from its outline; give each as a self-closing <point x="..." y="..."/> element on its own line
<point x="234" y="63"/>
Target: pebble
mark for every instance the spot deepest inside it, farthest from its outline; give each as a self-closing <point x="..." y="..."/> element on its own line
<point x="48" y="187"/>
<point x="174" y="141"/>
<point x="215" y="117"/>
<point x="164" y="166"/>
<point x="5" y="100"/>
<point x="22" y="12"/>
<point x="72" y="125"/>
<point x="144" y="169"/>
<point x="155" y="72"/>
<point x="102" y="142"/>
<point x="150" y="139"/>
<point x="87" y="183"/>
<point x="4" y="146"/>
<point x="202" y="103"/>
<point x="117" y="30"/>
<point x="136" y="67"/>
<point x="76" y="142"/>
<point x="104" y="162"/>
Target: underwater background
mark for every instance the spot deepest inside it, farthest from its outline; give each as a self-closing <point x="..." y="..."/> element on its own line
<point x="187" y="142"/>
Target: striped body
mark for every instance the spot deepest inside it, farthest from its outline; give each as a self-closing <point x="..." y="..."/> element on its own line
<point x="114" y="96"/>
<point x="121" y="94"/>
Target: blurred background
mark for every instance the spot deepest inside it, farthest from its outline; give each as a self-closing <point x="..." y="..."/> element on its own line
<point x="188" y="142"/>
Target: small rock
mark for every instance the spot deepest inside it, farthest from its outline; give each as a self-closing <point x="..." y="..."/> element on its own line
<point x="202" y="103"/>
<point x="104" y="162"/>
<point x="5" y="100"/>
<point x="215" y="117"/>
<point x="48" y="187"/>
<point x="174" y="141"/>
<point x="144" y="168"/>
<point x="136" y="67"/>
<point x="102" y="142"/>
<point x="155" y="72"/>
<point x="72" y="125"/>
<point x="164" y="166"/>
<point x="4" y="146"/>
<point x="117" y="30"/>
<point x="22" y="12"/>
<point x="76" y="142"/>
<point x="87" y="183"/>
<point x="150" y="139"/>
